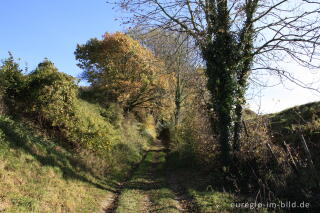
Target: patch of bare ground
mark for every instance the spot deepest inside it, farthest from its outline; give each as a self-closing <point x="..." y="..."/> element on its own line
<point x="146" y="204"/>
<point x="107" y="204"/>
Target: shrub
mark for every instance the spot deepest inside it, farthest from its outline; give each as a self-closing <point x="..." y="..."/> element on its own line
<point x="11" y="84"/>
<point x="103" y="139"/>
<point x="92" y="129"/>
<point x="52" y="100"/>
<point x="51" y="96"/>
<point x="192" y="139"/>
<point x="2" y="104"/>
<point x="261" y="164"/>
<point x="100" y="135"/>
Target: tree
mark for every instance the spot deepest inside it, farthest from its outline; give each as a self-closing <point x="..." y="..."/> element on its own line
<point x="122" y="71"/>
<point x="11" y="84"/>
<point x="235" y="37"/>
<point x="180" y="59"/>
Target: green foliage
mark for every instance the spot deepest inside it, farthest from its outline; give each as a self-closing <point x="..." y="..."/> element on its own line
<point x="220" y="57"/>
<point x="92" y="129"/>
<point x="11" y="84"/>
<point x="37" y="175"/>
<point x="107" y="144"/>
<point x="52" y="100"/>
<point x="51" y="96"/>
<point x="192" y="142"/>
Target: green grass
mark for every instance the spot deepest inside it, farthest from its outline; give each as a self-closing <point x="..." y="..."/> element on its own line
<point x="147" y="188"/>
<point x="290" y="124"/>
<point x="131" y="201"/>
<point x="164" y="200"/>
<point x="36" y="175"/>
<point x="213" y="201"/>
<point x="52" y="175"/>
<point x="304" y="118"/>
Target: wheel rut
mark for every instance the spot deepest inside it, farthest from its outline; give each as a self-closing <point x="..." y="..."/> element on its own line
<point x="150" y="188"/>
<point x="111" y="203"/>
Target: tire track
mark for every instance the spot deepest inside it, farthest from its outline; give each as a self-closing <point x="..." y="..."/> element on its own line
<point x="111" y="203"/>
<point x="152" y="181"/>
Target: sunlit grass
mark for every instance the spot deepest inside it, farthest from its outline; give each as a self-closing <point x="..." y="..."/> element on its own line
<point x="38" y="176"/>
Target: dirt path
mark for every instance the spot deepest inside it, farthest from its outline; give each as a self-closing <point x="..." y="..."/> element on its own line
<point x="150" y="189"/>
<point x="110" y="203"/>
<point x="188" y="205"/>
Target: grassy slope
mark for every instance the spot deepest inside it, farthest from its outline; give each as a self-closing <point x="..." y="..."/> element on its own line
<point x="304" y="118"/>
<point x="36" y="175"/>
<point x="290" y="124"/>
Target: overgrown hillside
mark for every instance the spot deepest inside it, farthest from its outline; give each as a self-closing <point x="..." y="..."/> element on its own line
<point x="297" y="131"/>
<point x="59" y="152"/>
<point x="287" y="144"/>
<point x="290" y="124"/>
<point x="298" y="128"/>
<point x="37" y="174"/>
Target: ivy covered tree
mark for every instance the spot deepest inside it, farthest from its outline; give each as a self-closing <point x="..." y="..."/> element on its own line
<point x="236" y="37"/>
<point x="122" y="71"/>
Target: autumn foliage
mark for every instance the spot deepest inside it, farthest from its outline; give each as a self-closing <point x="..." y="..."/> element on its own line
<point x="122" y="71"/>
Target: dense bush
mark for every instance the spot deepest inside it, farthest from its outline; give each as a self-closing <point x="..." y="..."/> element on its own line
<point x="51" y="96"/>
<point x="193" y="140"/>
<point x="260" y="163"/>
<point x="11" y="84"/>
<point x="51" y="99"/>
<point x="100" y="135"/>
<point x="127" y="143"/>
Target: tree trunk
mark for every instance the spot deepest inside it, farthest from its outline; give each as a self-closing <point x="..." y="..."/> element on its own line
<point x="237" y="128"/>
<point x="178" y="101"/>
<point x="221" y="84"/>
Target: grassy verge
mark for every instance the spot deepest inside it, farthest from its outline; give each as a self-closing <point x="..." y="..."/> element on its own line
<point x="36" y="175"/>
<point x="204" y="190"/>
<point x="213" y="201"/>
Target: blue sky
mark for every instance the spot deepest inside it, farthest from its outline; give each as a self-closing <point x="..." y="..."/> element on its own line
<point x="35" y="29"/>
